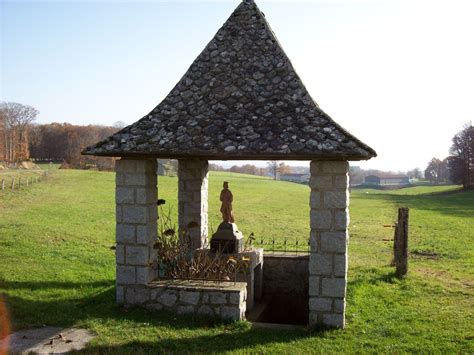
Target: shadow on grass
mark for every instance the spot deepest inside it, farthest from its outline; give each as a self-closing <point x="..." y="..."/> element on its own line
<point x="77" y="304"/>
<point x="368" y="276"/>
<point x="67" y="303"/>
<point x="36" y="285"/>
<point x="458" y="203"/>
<point x="245" y="341"/>
<point x="38" y="303"/>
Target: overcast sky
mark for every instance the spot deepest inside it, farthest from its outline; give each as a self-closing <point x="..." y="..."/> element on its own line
<point x="399" y="75"/>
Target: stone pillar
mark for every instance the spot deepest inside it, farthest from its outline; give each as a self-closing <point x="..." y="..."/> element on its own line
<point x="192" y="201"/>
<point x="329" y="237"/>
<point x="136" y="214"/>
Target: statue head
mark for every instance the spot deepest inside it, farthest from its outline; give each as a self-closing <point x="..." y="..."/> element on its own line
<point x="225" y="185"/>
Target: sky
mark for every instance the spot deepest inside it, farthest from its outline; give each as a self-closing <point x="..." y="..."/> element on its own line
<point x="399" y="75"/>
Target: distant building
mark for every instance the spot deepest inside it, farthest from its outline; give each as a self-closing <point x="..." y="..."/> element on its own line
<point x="387" y="180"/>
<point x="295" y="177"/>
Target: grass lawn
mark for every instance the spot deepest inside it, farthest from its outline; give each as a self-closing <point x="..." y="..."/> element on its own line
<point x="57" y="268"/>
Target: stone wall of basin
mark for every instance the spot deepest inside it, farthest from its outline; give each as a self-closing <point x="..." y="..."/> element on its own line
<point x="285" y="274"/>
<point x="225" y="300"/>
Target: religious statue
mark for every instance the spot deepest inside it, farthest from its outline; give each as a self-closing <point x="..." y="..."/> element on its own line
<point x="226" y="207"/>
<point x="227" y="238"/>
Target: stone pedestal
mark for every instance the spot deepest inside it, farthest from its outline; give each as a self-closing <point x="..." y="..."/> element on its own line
<point x="227" y="239"/>
<point x="136" y="218"/>
<point x="253" y="275"/>
<point x="329" y="237"/>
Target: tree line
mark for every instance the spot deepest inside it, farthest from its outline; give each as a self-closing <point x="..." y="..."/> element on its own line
<point x="273" y="168"/>
<point x="63" y="142"/>
<point x="457" y="168"/>
<point x="22" y="139"/>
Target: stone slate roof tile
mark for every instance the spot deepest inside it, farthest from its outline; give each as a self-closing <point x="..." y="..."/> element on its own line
<point x="240" y="99"/>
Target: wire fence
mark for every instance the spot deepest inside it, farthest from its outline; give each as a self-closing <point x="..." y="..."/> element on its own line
<point x="285" y="245"/>
<point x="12" y="183"/>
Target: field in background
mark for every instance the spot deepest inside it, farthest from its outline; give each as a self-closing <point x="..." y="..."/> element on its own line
<point x="19" y="177"/>
<point x="57" y="267"/>
<point x="8" y="173"/>
<point x="262" y="206"/>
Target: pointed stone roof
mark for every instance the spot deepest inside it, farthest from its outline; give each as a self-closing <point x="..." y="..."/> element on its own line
<point x="240" y="99"/>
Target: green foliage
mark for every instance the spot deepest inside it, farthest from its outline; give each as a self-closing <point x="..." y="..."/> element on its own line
<point x="58" y="268"/>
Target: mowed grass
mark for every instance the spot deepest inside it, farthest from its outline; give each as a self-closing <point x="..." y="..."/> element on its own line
<point x="57" y="268"/>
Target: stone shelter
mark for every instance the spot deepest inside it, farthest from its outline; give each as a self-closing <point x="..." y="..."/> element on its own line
<point x="241" y="99"/>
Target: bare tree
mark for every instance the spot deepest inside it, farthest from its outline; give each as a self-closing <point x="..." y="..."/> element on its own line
<point x="273" y="168"/>
<point x="414" y="174"/>
<point x="417" y="173"/>
<point x="119" y="124"/>
<point x="3" y="136"/>
<point x="435" y="171"/>
<point x="216" y="167"/>
<point x="16" y="121"/>
<point x="284" y="169"/>
<point x="356" y="175"/>
<point x="276" y="168"/>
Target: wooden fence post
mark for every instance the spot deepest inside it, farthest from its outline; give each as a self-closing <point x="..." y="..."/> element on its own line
<point x="3" y="184"/>
<point x="400" y="243"/>
<point x="26" y="181"/>
<point x="19" y="182"/>
<point x="13" y="183"/>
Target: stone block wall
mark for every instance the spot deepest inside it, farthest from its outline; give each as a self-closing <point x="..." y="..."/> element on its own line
<point x="285" y="274"/>
<point x="226" y="300"/>
<point x="136" y="222"/>
<point x="329" y="218"/>
<point x="252" y="276"/>
<point x="193" y="201"/>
